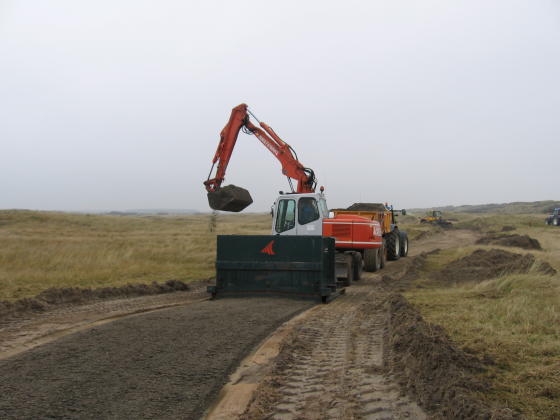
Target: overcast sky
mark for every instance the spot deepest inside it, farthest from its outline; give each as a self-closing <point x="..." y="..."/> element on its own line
<point x="119" y="104"/>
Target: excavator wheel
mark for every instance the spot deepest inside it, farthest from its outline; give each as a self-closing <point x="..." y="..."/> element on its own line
<point x="372" y="259"/>
<point x="357" y="260"/>
<point x="229" y="198"/>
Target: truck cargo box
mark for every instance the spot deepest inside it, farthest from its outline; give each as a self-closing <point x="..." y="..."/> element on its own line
<point x="301" y="266"/>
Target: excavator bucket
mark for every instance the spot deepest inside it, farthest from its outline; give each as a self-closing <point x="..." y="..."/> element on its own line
<point x="229" y="198"/>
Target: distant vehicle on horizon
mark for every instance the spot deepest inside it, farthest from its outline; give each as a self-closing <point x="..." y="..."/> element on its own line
<point x="554" y="218"/>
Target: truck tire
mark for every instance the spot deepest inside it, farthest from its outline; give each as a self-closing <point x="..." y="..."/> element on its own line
<point x="393" y="245"/>
<point x="555" y="221"/>
<point x="357" y="266"/>
<point x="404" y="244"/>
<point x="372" y="259"/>
<point x="383" y="254"/>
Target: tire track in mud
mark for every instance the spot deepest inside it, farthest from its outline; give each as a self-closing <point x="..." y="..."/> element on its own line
<point x="333" y="367"/>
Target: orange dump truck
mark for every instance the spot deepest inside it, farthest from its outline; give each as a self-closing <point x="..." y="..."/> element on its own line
<point x="395" y="241"/>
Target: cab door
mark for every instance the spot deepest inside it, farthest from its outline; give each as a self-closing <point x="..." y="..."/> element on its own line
<point x="309" y="220"/>
<point x="285" y="217"/>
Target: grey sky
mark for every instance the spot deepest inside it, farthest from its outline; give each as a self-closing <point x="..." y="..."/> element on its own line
<point x="119" y="104"/>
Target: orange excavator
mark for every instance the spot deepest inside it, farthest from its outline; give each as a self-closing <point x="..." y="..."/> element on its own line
<point x="232" y="198"/>
<point x="301" y="228"/>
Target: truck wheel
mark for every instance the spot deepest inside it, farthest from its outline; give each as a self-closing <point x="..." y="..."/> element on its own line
<point x="349" y="270"/>
<point x="555" y="221"/>
<point x="383" y="254"/>
<point x="404" y="244"/>
<point x="393" y="245"/>
<point x="357" y="266"/>
<point x="372" y="259"/>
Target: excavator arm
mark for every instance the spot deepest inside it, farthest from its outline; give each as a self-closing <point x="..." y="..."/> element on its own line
<point x="233" y="198"/>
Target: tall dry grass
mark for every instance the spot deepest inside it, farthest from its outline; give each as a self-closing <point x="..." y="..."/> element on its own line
<point x="39" y="250"/>
<point x="512" y="320"/>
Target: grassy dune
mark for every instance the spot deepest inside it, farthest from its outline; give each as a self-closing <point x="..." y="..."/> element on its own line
<point x="512" y="321"/>
<point x="39" y="250"/>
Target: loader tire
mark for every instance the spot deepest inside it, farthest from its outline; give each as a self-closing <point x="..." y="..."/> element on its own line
<point x="357" y="266"/>
<point x="404" y="244"/>
<point x="393" y="245"/>
<point x="372" y="259"/>
<point x="555" y="221"/>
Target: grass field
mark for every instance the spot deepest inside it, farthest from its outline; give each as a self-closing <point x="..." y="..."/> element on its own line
<point x="512" y="321"/>
<point x="39" y="250"/>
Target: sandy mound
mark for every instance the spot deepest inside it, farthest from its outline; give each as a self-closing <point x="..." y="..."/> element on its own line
<point x="428" y="366"/>
<point x="520" y="241"/>
<point x="60" y="296"/>
<point x="483" y="265"/>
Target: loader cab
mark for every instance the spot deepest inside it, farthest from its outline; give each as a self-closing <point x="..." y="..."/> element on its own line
<point x="299" y="214"/>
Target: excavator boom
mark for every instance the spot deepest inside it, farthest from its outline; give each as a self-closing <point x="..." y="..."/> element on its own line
<point x="233" y="198"/>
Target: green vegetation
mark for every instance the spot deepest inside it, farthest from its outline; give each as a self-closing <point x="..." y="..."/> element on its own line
<point x="510" y="208"/>
<point x="511" y="322"/>
<point x="39" y="250"/>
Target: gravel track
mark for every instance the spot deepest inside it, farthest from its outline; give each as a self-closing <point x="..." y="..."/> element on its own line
<point x="164" y="364"/>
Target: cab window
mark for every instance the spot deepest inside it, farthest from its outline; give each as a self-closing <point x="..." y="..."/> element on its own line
<point x="286" y="218"/>
<point x="307" y="210"/>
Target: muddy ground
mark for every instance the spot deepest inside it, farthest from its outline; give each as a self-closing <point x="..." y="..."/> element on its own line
<point x="166" y="364"/>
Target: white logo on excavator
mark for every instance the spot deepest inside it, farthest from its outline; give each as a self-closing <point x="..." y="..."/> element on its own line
<point x="269" y="146"/>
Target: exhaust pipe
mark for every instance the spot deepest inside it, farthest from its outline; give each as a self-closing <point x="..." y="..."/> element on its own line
<point x="229" y="198"/>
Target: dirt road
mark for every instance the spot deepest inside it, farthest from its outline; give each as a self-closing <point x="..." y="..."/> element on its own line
<point x="333" y="368"/>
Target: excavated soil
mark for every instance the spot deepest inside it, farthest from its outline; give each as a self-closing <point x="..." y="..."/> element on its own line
<point x="514" y="240"/>
<point x="486" y="264"/>
<point x="50" y="298"/>
<point x="165" y="364"/>
<point x="432" y="370"/>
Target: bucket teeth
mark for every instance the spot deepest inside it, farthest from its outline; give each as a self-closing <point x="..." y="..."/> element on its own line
<point x="229" y="198"/>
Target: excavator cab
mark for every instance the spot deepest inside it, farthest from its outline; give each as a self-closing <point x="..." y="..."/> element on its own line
<point x="229" y="198"/>
<point x="299" y="214"/>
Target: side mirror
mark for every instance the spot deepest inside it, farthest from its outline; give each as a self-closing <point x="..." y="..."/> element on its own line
<point x="403" y="212"/>
<point x="272" y="212"/>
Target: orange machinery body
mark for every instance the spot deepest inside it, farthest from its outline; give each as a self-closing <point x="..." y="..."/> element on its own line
<point x="382" y="217"/>
<point x="353" y="232"/>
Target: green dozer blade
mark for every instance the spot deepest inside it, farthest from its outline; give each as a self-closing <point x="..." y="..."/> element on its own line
<point x="229" y="198"/>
